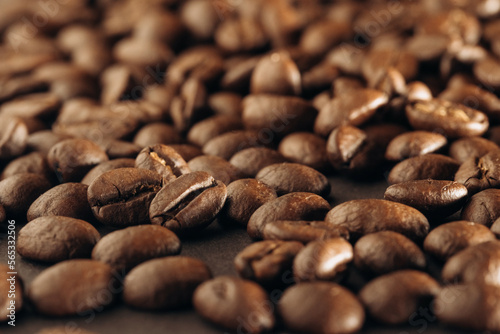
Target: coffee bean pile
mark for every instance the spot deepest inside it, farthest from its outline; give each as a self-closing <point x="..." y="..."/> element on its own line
<point x="153" y="119"/>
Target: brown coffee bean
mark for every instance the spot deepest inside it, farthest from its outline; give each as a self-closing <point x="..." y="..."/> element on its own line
<point x="276" y="74"/>
<point x="240" y="35"/>
<point x="3" y="215"/>
<point x="171" y="283"/>
<point x="34" y="162"/>
<point x="200" y="18"/>
<point x="72" y="287"/>
<point x="448" y="239"/>
<point x="228" y="144"/>
<point x="454" y="120"/>
<point x="243" y="198"/>
<point x="394" y="297"/>
<point x="142" y="52"/>
<point x="9" y="283"/>
<point x="218" y="167"/>
<point x="148" y="241"/>
<point x="121" y="197"/>
<point x="251" y="160"/>
<point x="209" y="128"/>
<point x="71" y="159"/>
<point x="477" y="264"/>
<point x="415" y="143"/>
<point x="483" y="207"/>
<point x="323" y="260"/>
<point x="106" y="166"/>
<point x="290" y="177"/>
<point x="164" y="160"/>
<point x="41" y="105"/>
<point x="321" y="307"/>
<point x="225" y="103"/>
<point x="378" y="60"/>
<point x="305" y="148"/>
<point x="303" y="231"/>
<point x="13" y="138"/>
<point x="472" y="147"/>
<point x="238" y="73"/>
<point x="20" y="190"/>
<point x="187" y="151"/>
<point x="422" y="167"/>
<point x="433" y="198"/>
<point x="202" y="62"/>
<point x="189" y="106"/>
<point x="267" y="262"/>
<point x="157" y="133"/>
<point x="319" y="37"/>
<point x="293" y="206"/>
<point x="382" y="252"/>
<point x="364" y="216"/>
<point x="480" y="173"/>
<point x="56" y="238"/>
<point x="486" y="71"/>
<point x="188" y="203"/>
<point x="67" y="199"/>
<point x="42" y="141"/>
<point x="320" y="77"/>
<point x="163" y="26"/>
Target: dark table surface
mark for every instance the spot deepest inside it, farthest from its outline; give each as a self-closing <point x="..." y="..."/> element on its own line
<point x="217" y="247"/>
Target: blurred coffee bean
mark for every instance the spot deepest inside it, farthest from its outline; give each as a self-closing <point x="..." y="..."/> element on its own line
<point x="187" y="151"/>
<point x="413" y="144"/>
<point x="203" y="131"/>
<point x="189" y="106"/>
<point x="41" y="106"/>
<point x="428" y="166"/>
<point x="218" y="167"/>
<point x="305" y="148"/>
<point x="319" y="77"/>
<point x="483" y="207"/>
<point x="225" y="103"/>
<point x="303" y="231"/>
<point x="250" y="161"/>
<point x="13" y="138"/>
<point x="142" y="52"/>
<point x="479" y="173"/>
<point x="200" y="18"/>
<point x="34" y="162"/>
<point x="18" y="191"/>
<point x="42" y="141"/>
<point x="228" y="144"/>
<point x="157" y="133"/>
<point x="276" y="74"/>
<point x="486" y="71"/>
<point x="106" y="166"/>
<point x="164" y="160"/>
<point x="472" y="147"/>
<point x="5" y="287"/>
<point x="240" y="35"/>
<point x="320" y="37"/>
<point x="116" y="149"/>
<point x="376" y="62"/>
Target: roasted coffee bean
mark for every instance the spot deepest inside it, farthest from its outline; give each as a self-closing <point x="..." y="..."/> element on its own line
<point x="303" y="231"/>
<point x="480" y="173"/>
<point x="323" y="260"/>
<point x="228" y="144"/>
<point x="495" y="227"/>
<point x="364" y="216"/>
<point x="189" y="106"/>
<point x="107" y="166"/>
<point x="187" y="151"/>
<point x="218" y="167"/>
<point x="34" y="162"/>
<point x="14" y="137"/>
<point x="171" y="283"/>
<point x="41" y="105"/>
<point x="477" y="264"/>
<point x="72" y="287"/>
<point x="320" y="77"/>
<point x="118" y="149"/>
<point x="267" y="262"/>
<point x="226" y="300"/>
<point x="486" y="71"/>
<point x="67" y="199"/>
<point x="276" y="74"/>
<point x="42" y="141"/>
<point x="142" y="52"/>
<point x="157" y="133"/>
<point x="454" y="120"/>
<point x="319" y="37"/>
<point x="200" y="18"/>
<point x="483" y="207"/>
<point x="121" y="197"/>
<point x="164" y="160"/>
<point x="18" y="191"/>
<point x="354" y="108"/>
<point x="428" y="166"/>
<point x="188" y="203"/>
<point x="378" y="60"/>
<point x="434" y="198"/>
<point x="305" y="148"/>
<point x="148" y="241"/>
<point x="382" y="252"/>
<point x="393" y="298"/>
<point x="209" y="128"/>
<point x="240" y="35"/>
<point x="472" y="147"/>
<point x="71" y="159"/>
<point x="412" y="144"/>
<point x="56" y="238"/>
<point x="340" y="311"/>
<point x="250" y="161"/>
<point x="3" y="215"/>
<point x="225" y="103"/>
<point x="238" y="73"/>
<point x="293" y="206"/>
<point x="448" y="239"/>
<point x="7" y="285"/>
<point x="244" y="197"/>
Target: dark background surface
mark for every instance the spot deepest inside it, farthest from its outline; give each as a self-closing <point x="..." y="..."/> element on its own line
<point x="217" y="247"/>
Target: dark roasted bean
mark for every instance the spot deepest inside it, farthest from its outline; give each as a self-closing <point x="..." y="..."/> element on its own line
<point x="428" y="166"/>
<point x="472" y="147"/>
<point x="228" y="144"/>
<point x="414" y="143"/>
<point x="218" y="167"/>
<point x="480" y="173"/>
<point x="34" y="162"/>
<point x="107" y="166"/>
<point x="162" y="159"/>
<point x="13" y="138"/>
<point x="157" y="133"/>
<point x="303" y="231"/>
<point x="276" y="74"/>
<point x="209" y="128"/>
<point x="483" y="207"/>
<point x="251" y="160"/>
<point x="305" y="148"/>
<point x="18" y="191"/>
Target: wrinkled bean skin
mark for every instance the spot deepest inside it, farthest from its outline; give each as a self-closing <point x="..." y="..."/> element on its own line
<point x="480" y="173"/>
<point x="483" y="207"/>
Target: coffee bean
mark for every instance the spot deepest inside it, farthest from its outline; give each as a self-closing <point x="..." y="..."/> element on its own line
<point x="495" y="227"/>
<point x="164" y="160"/>
<point x="321" y="307"/>
<point x="244" y="197"/>
<point x="117" y="149"/>
<point x="201" y="62"/>
<point x="293" y="206"/>
<point x="267" y="262"/>
<point x="67" y="199"/>
<point x="228" y="144"/>
<point x="276" y="74"/>
<point x="71" y="159"/>
<point x="364" y="216"/>
<point x="320" y="77"/>
<point x="56" y="238"/>
<point x="209" y="128"/>
<point x="189" y="106"/>
<point x="303" y="231"/>
<point x="240" y="35"/>
<point x="472" y="147"/>
<point x="434" y="198"/>
<point x="382" y="252"/>
<point x="147" y="242"/>
<point x="378" y="60"/>
<point x="106" y="166"/>
<point x="72" y="287"/>
<point x="142" y="52"/>
<point x="3" y="215"/>
<point x="18" y="191"/>
<point x="343" y="85"/>
<point x="413" y="144"/>
<point x="41" y="105"/>
<point x="320" y="37"/>
<point x="200" y="18"/>
<point x="34" y="162"/>
<point x="480" y="173"/>
<point x="187" y="151"/>
<point x="121" y="197"/>
<point x="218" y="167"/>
<point x="428" y="166"/>
<point x="42" y="141"/>
<point x="251" y="160"/>
<point x="6" y="287"/>
<point x="483" y="208"/>
<point x="486" y="70"/>
<point x="305" y="148"/>
<point x="453" y="120"/>
<point x="394" y="297"/>
<point x="322" y="260"/>
<point x="189" y="203"/>
<point x="157" y="133"/>
<point x="290" y="177"/>
<point x="235" y="304"/>
<point x="448" y="239"/>
<point x="14" y="137"/>
<point x="225" y="103"/>
<point x="171" y="283"/>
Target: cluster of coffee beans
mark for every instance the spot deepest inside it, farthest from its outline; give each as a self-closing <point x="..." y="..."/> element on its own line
<point x="153" y="119"/>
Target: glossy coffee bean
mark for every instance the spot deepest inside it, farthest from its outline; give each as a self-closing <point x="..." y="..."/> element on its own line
<point x="429" y="166"/>
<point x="382" y="252"/>
<point x="121" y="197"/>
<point x="393" y="298"/>
<point x="364" y="216"/>
<point x="171" y="283"/>
<point x="413" y="144"/>
<point x="250" y="161"/>
<point x="305" y="148"/>
<point x="164" y="160"/>
<point x="229" y="301"/>
<point x="303" y="231"/>
<point x="189" y="203"/>
<point x="107" y="166"/>
<point x="472" y="147"/>
<point x="218" y="167"/>
<point x="34" y="162"/>
<point x="483" y="208"/>
<point x="18" y="191"/>
<point x="480" y="173"/>
<point x="321" y="307"/>
<point x="14" y="137"/>
<point x="8" y="284"/>
<point x="267" y="262"/>
<point x="448" y="239"/>
<point x="276" y="74"/>
<point x="56" y="238"/>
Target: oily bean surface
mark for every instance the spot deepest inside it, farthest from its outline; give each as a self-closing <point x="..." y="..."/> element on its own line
<point x="250" y="161"/>
<point x="480" y="173"/>
<point x="429" y="166"/>
<point x="303" y="231"/>
<point x="472" y="147"/>
<point x="19" y="191"/>
<point x="415" y="143"/>
<point x="305" y="148"/>
<point x="483" y="207"/>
